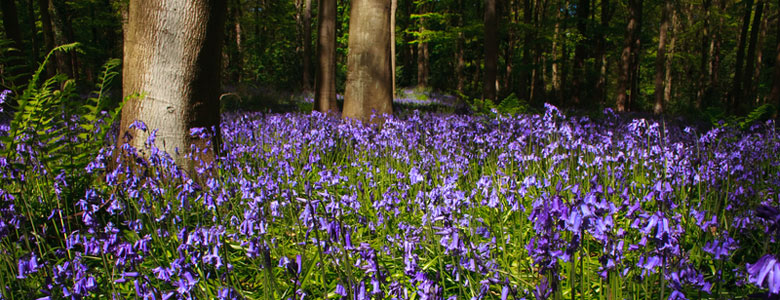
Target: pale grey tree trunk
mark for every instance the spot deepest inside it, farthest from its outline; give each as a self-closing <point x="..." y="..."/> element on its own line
<point x="369" y="86"/>
<point x="172" y="57"/>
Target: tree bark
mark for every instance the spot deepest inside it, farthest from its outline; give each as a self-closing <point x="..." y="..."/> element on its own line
<point x="670" y="59"/>
<point x="460" y="53"/>
<point x="600" y="88"/>
<point x="11" y="22"/>
<point x="626" y="60"/>
<point x="583" y="11"/>
<point x="172" y="57"/>
<point x="306" y="46"/>
<point x="33" y="30"/>
<point x="774" y="94"/>
<point x="15" y="67"/>
<point x="660" y="58"/>
<point x="48" y="34"/>
<point x="736" y="89"/>
<point x="524" y="85"/>
<point x="750" y="61"/>
<point x="555" y="68"/>
<point x="325" y="90"/>
<point x="67" y="63"/>
<point x="393" y="9"/>
<point x="753" y="91"/>
<point x="491" y="51"/>
<point x="368" y="87"/>
<point x="238" y="32"/>
<point x="422" y="57"/>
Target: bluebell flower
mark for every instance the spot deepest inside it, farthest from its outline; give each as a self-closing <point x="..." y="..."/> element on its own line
<point x="765" y="270"/>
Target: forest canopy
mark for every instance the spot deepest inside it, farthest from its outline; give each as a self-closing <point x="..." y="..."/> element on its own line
<point x="680" y="57"/>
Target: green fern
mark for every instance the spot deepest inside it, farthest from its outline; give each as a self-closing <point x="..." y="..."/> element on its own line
<point x="12" y="60"/>
<point x="41" y="116"/>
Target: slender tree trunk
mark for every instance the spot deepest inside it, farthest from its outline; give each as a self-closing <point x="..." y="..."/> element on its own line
<point x="524" y="85"/>
<point x="750" y="62"/>
<point x="660" y="58"/>
<point x="11" y="22"/>
<point x="48" y="34"/>
<point x="736" y="89"/>
<point x="626" y="62"/>
<point x="325" y="93"/>
<point x="753" y="92"/>
<point x="172" y="56"/>
<point x="556" y="45"/>
<point x="491" y="50"/>
<point x="63" y="34"/>
<point x="583" y="11"/>
<point x="393" y="9"/>
<point x="307" y="46"/>
<point x="15" y="67"/>
<point x="368" y="88"/>
<point x="33" y="30"/>
<point x="774" y="94"/>
<point x="600" y="88"/>
<point x="422" y="57"/>
<point x="237" y="29"/>
<point x="669" y="60"/>
<point x="705" y="53"/>
<point x="460" y="53"/>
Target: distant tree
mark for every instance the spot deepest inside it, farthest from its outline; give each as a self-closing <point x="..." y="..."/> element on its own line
<point x="735" y="95"/>
<point x="580" y="52"/>
<point x="627" y="61"/>
<point x="491" y="50"/>
<point x="369" y="86"/>
<point x="774" y="95"/>
<point x="306" y="45"/>
<point x="48" y="34"/>
<point x="660" y="59"/>
<point x="13" y="31"/>
<point x="172" y="56"/>
<point x="325" y="82"/>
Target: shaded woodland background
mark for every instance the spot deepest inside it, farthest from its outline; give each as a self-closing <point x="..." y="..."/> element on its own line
<point x="708" y="57"/>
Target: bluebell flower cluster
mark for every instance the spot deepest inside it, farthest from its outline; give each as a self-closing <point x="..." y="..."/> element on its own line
<point x="424" y="206"/>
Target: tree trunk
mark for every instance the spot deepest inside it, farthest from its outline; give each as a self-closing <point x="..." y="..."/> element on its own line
<point x="460" y="54"/>
<point x="670" y="59"/>
<point x="736" y="89"/>
<point x="393" y="9"/>
<point x="172" y="52"/>
<point x="11" y="22"/>
<point x="325" y="91"/>
<point x="33" y="30"/>
<point x="368" y="88"/>
<point x="626" y="62"/>
<point x="524" y="85"/>
<point x="48" y="35"/>
<point x="422" y="57"/>
<point x="237" y="31"/>
<point x="753" y="91"/>
<point x="15" y="67"/>
<point x="660" y="58"/>
<point x="774" y="95"/>
<point x="556" y="45"/>
<point x="600" y="88"/>
<point x="491" y="51"/>
<point x="306" y="46"/>
<point x="583" y="11"/>
<point x="750" y="62"/>
<point x="63" y="34"/>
